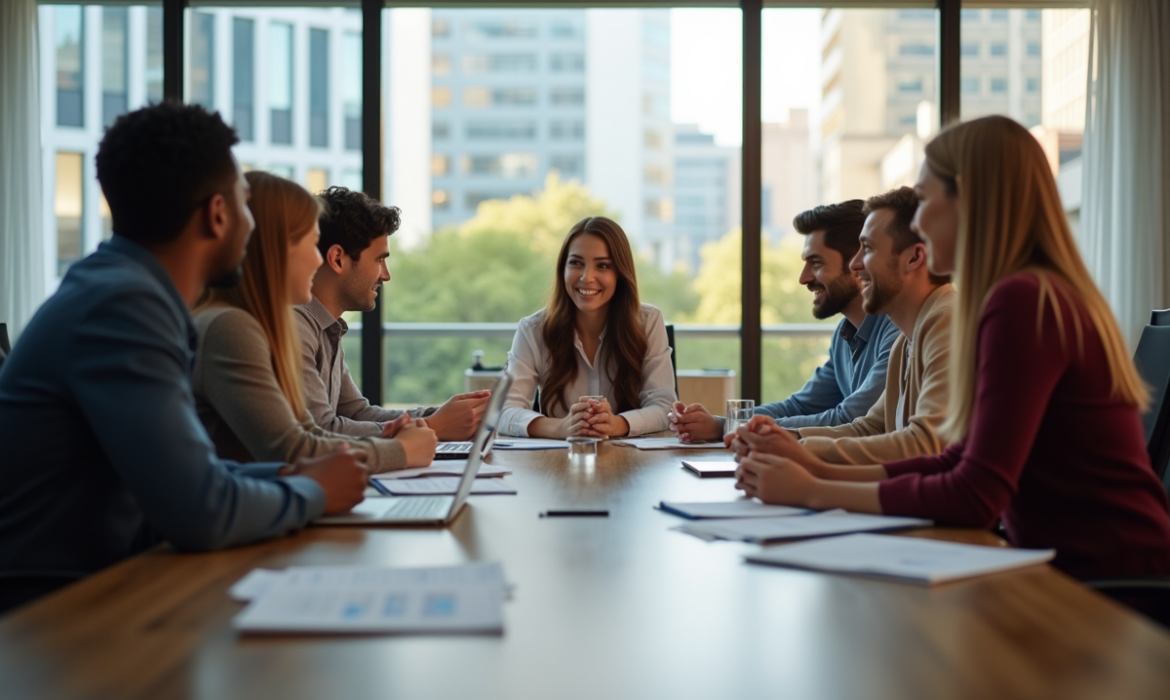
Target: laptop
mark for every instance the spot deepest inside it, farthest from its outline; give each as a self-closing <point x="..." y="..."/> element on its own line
<point x="462" y="450"/>
<point x="431" y="510"/>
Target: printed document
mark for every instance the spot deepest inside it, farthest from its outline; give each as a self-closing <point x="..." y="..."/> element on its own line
<point x="451" y="468"/>
<point x="742" y="508"/>
<point x="668" y="443"/>
<point x="833" y="522"/>
<point x="445" y="486"/>
<point x="467" y="598"/>
<point x="903" y="558"/>
<point x="519" y="444"/>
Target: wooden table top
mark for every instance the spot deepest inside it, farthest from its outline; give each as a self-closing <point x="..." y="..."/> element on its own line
<point x="617" y="607"/>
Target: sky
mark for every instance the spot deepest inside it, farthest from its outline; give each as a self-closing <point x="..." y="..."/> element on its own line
<point x="706" y="76"/>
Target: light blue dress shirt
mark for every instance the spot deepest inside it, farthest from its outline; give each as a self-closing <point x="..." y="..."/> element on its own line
<point x="848" y="385"/>
<point x="103" y="452"/>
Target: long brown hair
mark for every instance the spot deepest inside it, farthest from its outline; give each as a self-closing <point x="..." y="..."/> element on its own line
<point x="625" y="339"/>
<point x="285" y="213"/>
<point x="1011" y="220"/>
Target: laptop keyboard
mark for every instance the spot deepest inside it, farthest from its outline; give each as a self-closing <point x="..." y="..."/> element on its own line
<point x="419" y="506"/>
<point x="453" y="447"/>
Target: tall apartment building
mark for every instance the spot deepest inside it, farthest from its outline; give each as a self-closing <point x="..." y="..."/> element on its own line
<point x="517" y="94"/>
<point x="878" y="77"/>
<point x="288" y="80"/>
<point x="706" y="192"/>
<point x="787" y="160"/>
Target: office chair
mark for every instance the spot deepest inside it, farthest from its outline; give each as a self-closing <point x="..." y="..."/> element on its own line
<point x="1152" y="358"/>
<point x="1150" y="595"/>
<point x="673" y="365"/>
<point x="5" y="346"/>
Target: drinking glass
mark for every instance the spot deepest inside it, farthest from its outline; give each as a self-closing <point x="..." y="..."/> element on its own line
<point x="739" y="413"/>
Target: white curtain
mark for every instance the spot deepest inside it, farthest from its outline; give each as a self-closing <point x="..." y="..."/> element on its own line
<point x="1125" y="211"/>
<point x="22" y="250"/>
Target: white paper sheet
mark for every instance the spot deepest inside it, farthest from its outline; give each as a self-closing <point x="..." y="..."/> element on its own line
<point x="741" y="508"/>
<point x="517" y="444"/>
<point x="445" y="486"/>
<point x="667" y="443"/>
<point x="467" y="598"/>
<point x="903" y="558"/>
<point x="454" y="468"/>
<point x="836" y="522"/>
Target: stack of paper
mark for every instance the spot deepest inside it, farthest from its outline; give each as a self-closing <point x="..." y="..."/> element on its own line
<point x="833" y="522"/>
<point x="742" y="508"/>
<point x="443" y="468"/>
<point x="667" y="443"/>
<point x="360" y="599"/>
<point x="444" y="486"/>
<point x="901" y="558"/>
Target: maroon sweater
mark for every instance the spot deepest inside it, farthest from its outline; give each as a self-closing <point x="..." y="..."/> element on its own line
<point x="1049" y="450"/>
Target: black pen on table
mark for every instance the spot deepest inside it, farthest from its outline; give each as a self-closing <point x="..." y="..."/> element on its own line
<point x="380" y="488"/>
<point x="575" y="514"/>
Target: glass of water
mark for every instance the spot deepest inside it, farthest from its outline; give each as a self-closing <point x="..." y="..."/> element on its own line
<point x="739" y="413"/>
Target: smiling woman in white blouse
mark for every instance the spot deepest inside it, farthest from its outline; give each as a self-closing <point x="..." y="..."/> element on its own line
<point x="594" y="339"/>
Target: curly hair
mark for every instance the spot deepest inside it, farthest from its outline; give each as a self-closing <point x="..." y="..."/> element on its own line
<point x="841" y="223"/>
<point x="353" y="220"/>
<point x="159" y="164"/>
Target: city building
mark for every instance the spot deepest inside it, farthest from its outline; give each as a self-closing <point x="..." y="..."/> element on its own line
<point x="787" y="162"/>
<point x="879" y="90"/>
<point x="706" y="192"/>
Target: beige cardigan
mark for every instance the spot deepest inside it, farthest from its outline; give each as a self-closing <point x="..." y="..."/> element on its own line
<point x="874" y="437"/>
<point x="243" y="408"/>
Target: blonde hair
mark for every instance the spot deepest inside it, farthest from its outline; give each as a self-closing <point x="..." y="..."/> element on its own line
<point x="1011" y="220"/>
<point x="285" y="213"/>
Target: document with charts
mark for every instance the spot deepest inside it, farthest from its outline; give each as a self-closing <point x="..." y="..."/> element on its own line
<point x="361" y="599"/>
<point x="903" y="558"/>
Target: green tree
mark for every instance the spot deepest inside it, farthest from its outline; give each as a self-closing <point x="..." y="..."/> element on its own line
<point x="497" y="266"/>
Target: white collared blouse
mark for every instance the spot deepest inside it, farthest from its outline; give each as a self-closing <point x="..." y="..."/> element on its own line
<point x="528" y="362"/>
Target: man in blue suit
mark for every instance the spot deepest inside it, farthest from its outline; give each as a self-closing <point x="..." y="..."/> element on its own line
<point x="103" y="453"/>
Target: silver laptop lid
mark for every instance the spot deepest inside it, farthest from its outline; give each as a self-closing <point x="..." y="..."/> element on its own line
<point x="486" y="432"/>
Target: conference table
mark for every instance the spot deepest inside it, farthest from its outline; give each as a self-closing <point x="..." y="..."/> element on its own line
<point x="616" y="607"/>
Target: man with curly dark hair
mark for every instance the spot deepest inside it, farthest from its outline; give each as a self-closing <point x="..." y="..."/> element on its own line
<point x="355" y="243"/>
<point x="106" y="364"/>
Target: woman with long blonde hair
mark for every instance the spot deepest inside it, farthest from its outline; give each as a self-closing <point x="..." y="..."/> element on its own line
<point x="1045" y="406"/>
<point x="594" y="339"/>
<point x="247" y="376"/>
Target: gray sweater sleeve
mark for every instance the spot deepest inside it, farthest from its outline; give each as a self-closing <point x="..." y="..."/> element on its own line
<point x="234" y="375"/>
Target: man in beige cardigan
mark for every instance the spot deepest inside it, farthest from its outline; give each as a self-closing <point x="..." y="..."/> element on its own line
<point x="892" y="265"/>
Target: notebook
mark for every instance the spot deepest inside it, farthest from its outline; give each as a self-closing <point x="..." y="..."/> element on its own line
<point x="706" y="470"/>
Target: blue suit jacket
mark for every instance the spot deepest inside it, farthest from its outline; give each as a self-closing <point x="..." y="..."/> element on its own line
<point x="101" y="451"/>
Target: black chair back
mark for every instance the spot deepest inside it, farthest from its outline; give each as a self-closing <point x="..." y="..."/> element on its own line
<point x="1160" y="317"/>
<point x="5" y="346"/>
<point x="1153" y="363"/>
<point x="673" y="365"/>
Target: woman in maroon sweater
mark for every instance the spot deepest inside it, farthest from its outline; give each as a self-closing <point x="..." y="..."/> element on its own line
<point x="1044" y="413"/>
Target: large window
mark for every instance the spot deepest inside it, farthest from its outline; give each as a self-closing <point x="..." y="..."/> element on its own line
<point x="319" y="87"/>
<point x="502" y="127"/>
<point x="280" y="82"/>
<point x="69" y="25"/>
<point x="100" y="62"/>
<point x="849" y="97"/>
<point x="1035" y="73"/>
<point x="537" y="118"/>
<point x="244" y="77"/>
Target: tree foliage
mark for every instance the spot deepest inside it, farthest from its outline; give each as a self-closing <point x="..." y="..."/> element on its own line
<point x="498" y="266"/>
